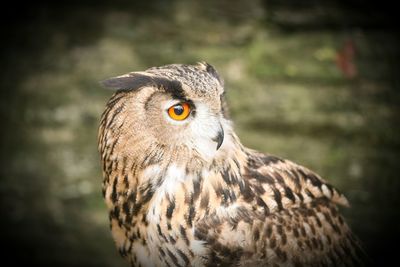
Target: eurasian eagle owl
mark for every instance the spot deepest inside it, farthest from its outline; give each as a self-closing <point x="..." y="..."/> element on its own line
<point x="183" y="191"/>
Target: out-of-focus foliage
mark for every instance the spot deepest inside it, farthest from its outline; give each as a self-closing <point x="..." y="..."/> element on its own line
<point x="315" y="83"/>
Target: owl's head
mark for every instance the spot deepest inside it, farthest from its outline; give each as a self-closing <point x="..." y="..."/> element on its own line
<point x="177" y="110"/>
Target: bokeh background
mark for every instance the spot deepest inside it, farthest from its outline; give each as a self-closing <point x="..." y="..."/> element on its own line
<point x="316" y="82"/>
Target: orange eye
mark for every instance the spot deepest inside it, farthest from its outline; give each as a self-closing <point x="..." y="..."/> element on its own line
<point x="179" y="112"/>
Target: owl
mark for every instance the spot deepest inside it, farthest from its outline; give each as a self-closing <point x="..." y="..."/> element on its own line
<point x="182" y="190"/>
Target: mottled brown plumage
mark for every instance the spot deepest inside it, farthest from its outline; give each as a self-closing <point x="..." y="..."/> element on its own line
<point x="177" y="196"/>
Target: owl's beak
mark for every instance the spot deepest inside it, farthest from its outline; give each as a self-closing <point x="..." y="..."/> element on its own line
<point x="219" y="139"/>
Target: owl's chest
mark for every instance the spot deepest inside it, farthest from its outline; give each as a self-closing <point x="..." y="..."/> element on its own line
<point x="162" y="229"/>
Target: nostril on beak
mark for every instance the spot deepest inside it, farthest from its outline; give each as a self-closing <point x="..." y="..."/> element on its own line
<point x="219" y="139"/>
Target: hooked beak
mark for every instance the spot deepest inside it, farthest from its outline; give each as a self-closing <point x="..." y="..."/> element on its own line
<point x="219" y="139"/>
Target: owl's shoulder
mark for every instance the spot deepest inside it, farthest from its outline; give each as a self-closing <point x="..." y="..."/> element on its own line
<point x="284" y="213"/>
<point x="285" y="184"/>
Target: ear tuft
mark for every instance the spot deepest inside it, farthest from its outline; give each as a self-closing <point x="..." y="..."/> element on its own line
<point x="129" y="81"/>
<point x="211" y="70"/>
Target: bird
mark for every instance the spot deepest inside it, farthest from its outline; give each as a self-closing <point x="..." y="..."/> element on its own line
<point x="182" y="190"/>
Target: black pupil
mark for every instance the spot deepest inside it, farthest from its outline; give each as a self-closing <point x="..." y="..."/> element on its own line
<point x="178" y="109"/>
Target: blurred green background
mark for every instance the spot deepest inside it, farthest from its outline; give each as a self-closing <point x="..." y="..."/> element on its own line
<point x="313" y="82"/>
